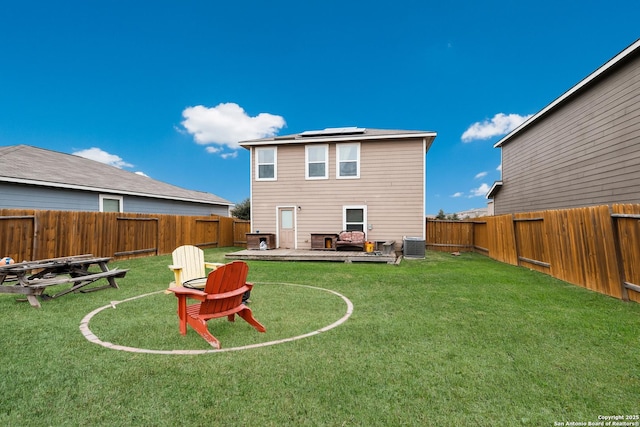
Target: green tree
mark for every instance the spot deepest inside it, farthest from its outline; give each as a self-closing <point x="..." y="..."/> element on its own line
<point x="242" y="210"/>
<point x="441" y="215"/>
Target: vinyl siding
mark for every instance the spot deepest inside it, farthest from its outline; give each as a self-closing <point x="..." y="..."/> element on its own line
<point x="171" y="207"/>
<point x="17" y="196"/>
<point x="586" y="152"/>
<point x="391" y="186"/>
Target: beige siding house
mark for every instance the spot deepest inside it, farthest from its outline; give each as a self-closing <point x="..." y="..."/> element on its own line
<point x="339" y="179"/>
<point x="582" y="149"/>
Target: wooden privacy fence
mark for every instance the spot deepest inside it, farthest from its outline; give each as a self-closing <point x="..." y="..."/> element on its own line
<point x="37" y="234"/>
<point x="595" y="247"/>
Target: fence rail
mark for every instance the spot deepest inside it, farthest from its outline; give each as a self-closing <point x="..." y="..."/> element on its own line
<point x="594" y="247"/>
<point x="37" y="234"/>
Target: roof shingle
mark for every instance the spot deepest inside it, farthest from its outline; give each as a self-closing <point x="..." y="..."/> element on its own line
<point x="38" y="166"/>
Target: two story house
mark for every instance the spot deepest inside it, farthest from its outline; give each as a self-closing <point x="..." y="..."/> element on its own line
<point x="338" y="179"/>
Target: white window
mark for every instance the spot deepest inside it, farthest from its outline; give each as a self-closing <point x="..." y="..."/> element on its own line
<point x="348" y="160"/>
<point x="266" y="164"/>
<point x="354" y="218"/>
<point x="316" y="159"/>
<point x="110" y="203"/>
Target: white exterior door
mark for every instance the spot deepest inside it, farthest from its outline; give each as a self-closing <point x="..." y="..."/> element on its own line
<point x="287" y="232"/>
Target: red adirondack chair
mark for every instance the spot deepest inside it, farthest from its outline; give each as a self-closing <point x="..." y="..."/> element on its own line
<point x="222" y="296"/>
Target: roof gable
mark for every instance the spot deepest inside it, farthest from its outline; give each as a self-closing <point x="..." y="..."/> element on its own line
<point x="36" y="166"/>
<point x="633" y="49"/>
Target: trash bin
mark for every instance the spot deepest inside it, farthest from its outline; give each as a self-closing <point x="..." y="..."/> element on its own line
<point x="368" y="247"/>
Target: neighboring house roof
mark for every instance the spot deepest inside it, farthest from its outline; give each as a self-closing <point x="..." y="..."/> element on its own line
<point x="573" y="91"/>
<point x="473" y="213"/>
<point x="24" y="164"/>
<point x="341" y="134"/>
<point x="494" y="189"/>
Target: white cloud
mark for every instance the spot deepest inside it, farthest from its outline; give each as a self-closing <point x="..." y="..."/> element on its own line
<point x="480" y="175"/>
<point x="480" y="191"/>
<point x="458" y="194"/>
<point x="499" y="168"/>
<point x="219" y="150"/>
<point x="101" y="156"/>
<point x="500" y="124"/>
<point x="141" y="174"/>
<point x="227" y="124"/>
<point x="231" y="155"/>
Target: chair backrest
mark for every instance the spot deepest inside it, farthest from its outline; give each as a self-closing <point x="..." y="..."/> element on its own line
<point x="191" y="259"/>
<point x="226" y="278"/>
<point x="345" y="236"/>
<point x="352" y="236"/>
<point x="357" y="236"/>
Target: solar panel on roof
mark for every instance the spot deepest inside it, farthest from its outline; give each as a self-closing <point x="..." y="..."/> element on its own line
<point x="334" y="131"/>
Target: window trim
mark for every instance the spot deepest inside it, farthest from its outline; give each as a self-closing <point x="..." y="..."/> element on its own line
<point x="307" y="162"/>
<point x="338" y="148"/>
<point x="102" y="198"/>
<point x="275" y="163"/>
<point x="364" y="216"/>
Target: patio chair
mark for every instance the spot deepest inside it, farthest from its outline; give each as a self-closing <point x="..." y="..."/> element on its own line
<point x="189" y="267"/>
<point x="221" y="297"/>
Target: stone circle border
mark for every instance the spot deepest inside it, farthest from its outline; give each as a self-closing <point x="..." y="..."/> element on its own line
<point x="90" y="336"/>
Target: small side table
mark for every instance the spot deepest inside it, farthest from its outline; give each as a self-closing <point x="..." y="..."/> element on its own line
<point x="387" y="247"/>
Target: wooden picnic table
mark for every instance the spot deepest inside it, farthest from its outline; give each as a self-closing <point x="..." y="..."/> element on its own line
<point x="31" y="278"/>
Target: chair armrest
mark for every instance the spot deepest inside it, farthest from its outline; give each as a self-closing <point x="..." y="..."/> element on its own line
<point x="212" y="265"/>
<point x="189" y="292"/>
<point x="175" y="267"/>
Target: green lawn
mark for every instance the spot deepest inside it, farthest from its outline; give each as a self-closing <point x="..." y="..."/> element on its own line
<point x="442" y="341"/>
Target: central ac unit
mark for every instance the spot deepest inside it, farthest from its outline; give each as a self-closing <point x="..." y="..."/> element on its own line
<point x="413" y="247"/>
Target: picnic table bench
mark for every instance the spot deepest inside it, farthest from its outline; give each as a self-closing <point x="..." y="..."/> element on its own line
<point x="31" y="278"/>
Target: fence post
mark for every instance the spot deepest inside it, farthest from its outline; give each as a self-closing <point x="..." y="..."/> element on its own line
<point x="515" y="238"/>
<point x="618" y="253"/>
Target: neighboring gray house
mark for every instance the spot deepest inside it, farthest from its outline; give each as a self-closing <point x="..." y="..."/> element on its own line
<point x="583" y="149"/>
<point x="35" y="178"/>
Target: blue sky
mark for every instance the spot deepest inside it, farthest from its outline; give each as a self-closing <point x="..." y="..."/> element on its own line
<point x="167" y="88"/>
